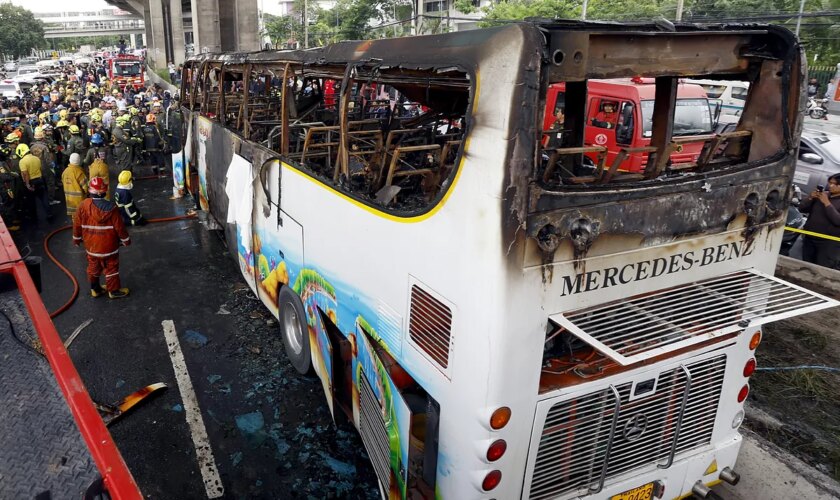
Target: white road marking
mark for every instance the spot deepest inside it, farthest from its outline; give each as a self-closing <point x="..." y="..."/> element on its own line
<point x="209" y="472"/>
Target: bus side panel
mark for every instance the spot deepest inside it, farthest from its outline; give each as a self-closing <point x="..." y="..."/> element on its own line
<point x="395" y="412"/>
<point x="189" y="162"/>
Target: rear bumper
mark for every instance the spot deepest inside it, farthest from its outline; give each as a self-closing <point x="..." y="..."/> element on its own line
<point x="681" y="476"/>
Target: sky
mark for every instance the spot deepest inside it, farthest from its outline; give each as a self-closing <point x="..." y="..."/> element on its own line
<point x="61" y="5"/>
<point x="270" y="6"/>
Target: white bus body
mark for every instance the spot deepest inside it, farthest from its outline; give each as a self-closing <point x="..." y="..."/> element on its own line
<point x="446" y="315"/>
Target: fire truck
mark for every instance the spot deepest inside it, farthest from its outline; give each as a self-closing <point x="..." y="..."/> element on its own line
<point x="126" y="70"/>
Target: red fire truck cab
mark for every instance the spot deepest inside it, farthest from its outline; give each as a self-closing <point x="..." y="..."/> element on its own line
<point x="126" y="70"/>
<point x="619" y="114"/>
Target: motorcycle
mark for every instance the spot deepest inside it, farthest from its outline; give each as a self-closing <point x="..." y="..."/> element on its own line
<point x="795" y="219"/>
<point x="816" y="108"/>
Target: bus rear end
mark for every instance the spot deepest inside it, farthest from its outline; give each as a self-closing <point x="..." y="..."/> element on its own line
<point x="643" y="290"/>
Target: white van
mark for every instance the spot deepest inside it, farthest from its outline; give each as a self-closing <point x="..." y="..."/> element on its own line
<point x="732" y="94"/>
<point x="10" y="89"/>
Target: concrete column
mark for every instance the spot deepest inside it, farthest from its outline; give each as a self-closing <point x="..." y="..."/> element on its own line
<point x="227" y="25"/>
<point x="176" y="17"/>
<point x="133" y="40"/>
<point x="247" y="25"/>
<point x="157" y="46"/>
<point x="205" y="21"/>
<point x="147" y="34"/>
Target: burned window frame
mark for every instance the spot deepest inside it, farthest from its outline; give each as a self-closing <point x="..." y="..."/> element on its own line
<point x="225" y="94"/>
<point x="336" y="182"/>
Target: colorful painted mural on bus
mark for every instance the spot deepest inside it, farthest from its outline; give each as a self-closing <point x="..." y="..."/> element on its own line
<point x="266" y="271"/>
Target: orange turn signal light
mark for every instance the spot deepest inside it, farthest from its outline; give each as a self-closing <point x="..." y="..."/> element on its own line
<point x="500" y="418"/>
<point x="755" y="340"/>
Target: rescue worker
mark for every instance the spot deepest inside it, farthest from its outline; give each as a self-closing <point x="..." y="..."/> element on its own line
<point x="97" y="150"/>
<point x="136" y="127"/>
<point x="61" y="135"/>
<point x="123" y="143"/>
<point x="608" y="116"/>
<point x="8" y="193"/>
<point x="173" y="123"/>
<point x="153" y="143"/>
<point x="42" y="150"/>
<point x="99" y="168"/>
<point x="125" y="201"/>
<point x="75" y="183"/>
<point x="75" y="144"/>
<point x="30" y="171"/>
<point x="99" y="225"/>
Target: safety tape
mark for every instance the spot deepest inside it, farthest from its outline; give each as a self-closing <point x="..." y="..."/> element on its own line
<point x="811" y="233"/>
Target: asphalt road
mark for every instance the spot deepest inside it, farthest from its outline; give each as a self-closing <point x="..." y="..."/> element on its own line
<point x="269" y="431"/>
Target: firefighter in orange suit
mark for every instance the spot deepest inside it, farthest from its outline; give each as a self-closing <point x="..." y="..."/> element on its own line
<point x="99" y="224"/>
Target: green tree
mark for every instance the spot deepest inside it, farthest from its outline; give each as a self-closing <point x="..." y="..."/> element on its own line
<point x="20" y="32"/>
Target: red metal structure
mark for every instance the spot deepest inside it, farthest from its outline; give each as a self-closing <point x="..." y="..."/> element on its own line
<point x="117" y="479"/>
<point x="126" y="70"/>
<point x="629" y="126"/>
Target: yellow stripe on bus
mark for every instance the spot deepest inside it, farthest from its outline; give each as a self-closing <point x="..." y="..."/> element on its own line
<point x="811" y="233"/>
<point x="385" y="215"/>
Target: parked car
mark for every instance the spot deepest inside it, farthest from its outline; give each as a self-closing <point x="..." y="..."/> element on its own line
<point x="25" y="70"/>
<point x="819" y="157"/>
<point x="10" y="66"/>
<point x="10" y="89"/>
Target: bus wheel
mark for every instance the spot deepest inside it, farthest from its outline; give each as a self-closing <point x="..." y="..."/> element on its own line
<point x="294" y="330"/>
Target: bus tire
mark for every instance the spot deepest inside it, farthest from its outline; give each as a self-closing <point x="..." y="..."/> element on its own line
<point x="294" y="330"/>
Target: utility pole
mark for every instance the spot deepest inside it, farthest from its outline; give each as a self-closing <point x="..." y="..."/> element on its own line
<point x="583" y="10"/>
<point x="306" y="25"/>
<point x="799" y="17"/>
<point x="680" y="9"/>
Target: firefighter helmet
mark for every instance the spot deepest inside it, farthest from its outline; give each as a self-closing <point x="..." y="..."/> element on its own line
<point x="125" y="177"/>
<point x="97" y="185"/>
<point x="96" y="139"/>
<point x="151" y="118"/>
<point x="13" y="137"/>
<point x="74" y="129"/>
<point x="22" y="150"/>
<point x="39" y="132"/>
<point x="62" y="123"/>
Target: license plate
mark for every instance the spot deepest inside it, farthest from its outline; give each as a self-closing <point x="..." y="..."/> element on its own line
<point x="644" y="492"/>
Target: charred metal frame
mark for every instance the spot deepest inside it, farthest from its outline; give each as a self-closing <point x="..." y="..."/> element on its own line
<point x="704" y="201"/>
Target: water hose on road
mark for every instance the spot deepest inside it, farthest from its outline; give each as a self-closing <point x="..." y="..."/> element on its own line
<point x="66" y="271"/>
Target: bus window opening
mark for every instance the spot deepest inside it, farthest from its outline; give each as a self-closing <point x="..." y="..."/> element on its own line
<point x="610" y="138"/>
<point x="392" y="139"/>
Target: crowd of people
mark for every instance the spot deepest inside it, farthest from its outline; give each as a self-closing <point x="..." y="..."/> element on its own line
<point x="80" y="112"/>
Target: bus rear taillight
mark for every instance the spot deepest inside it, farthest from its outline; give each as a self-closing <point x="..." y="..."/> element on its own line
<point x="496" y="450"/>
<point x="755" y="340"/>
<point x="491" y="480"/>
<point x="749" y="368"/>
<point x="743" y="393"/>
<point x="500" y="418"/>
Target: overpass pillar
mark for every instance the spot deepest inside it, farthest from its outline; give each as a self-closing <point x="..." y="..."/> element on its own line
<point x="156" y="48"/>
<point x="176" y="19"/>
<point x="247" y="22"/>
<point x="205" y="20"/>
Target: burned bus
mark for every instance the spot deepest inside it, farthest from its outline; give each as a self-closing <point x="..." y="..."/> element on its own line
<point x="495" y="315"/>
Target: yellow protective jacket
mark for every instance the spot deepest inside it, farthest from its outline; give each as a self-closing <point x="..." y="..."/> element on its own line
<point x="75" y="188"/>
<point x="100" y="169"/>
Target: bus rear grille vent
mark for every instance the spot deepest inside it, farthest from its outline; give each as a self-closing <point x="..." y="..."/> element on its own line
<point x="430" y="325"/>
<point x="374" y="435"/>
<point x="588" y="439"/>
